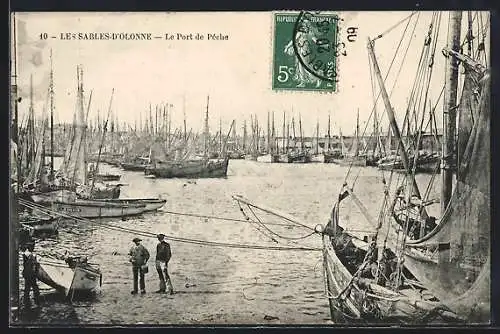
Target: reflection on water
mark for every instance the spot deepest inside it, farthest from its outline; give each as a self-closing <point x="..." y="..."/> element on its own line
<point x="216" y="285"/>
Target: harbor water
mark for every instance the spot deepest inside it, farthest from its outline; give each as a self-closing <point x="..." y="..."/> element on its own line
<point x="215" y="285"/>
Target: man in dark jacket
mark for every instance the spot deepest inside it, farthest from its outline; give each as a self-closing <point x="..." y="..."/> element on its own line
<point x="163" y="255"/>
<point x="30" y="269"/>
<point x="139" y="257"/>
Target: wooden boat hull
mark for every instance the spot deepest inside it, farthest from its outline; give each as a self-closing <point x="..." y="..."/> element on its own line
<point x="426" y="164"/>
<point x="317" y="158"/>
<point x="133" y="167"/>
<point x="192" y="169"/>
<point x="330" y="157"/>
<point x="301" y="157"/>
<point x="106" y="177"/>
<point x="269" y="158"/>
<point x="98" y="209"/>
<point x="58" y="275"/>
<point x="368" y="303"/>
<point x="151" y="204"/>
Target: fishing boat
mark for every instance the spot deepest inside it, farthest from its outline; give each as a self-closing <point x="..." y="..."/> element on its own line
<point x="192" y="168"/>
<point x="354" y="157"/>
<point x="298" y="156"/>
<point x="73" y="276"/>
<point x="332" y="155"/>
<point x="425" y="163"/>
<point x="98" y="208"/>
<point x="415" y="268"/>
<point x="99" y="177"/>
<point x="151" y="204"/>
<point x="138" y="164"/>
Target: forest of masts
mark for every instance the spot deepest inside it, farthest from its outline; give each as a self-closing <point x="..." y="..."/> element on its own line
<point x="154" y="130"/>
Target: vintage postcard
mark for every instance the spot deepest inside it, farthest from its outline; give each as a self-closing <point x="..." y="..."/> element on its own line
<point x="258" y="168"/>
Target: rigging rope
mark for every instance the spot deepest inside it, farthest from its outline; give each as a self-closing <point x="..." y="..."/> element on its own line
<point x="153" y="235"/>
<point x="220" y="218"/>
<point x="278" y="235"/>
<point x="380" y="92"/>
<point x="394" y="26"/>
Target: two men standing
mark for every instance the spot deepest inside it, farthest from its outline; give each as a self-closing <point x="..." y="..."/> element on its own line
<point x="139" y="257"/>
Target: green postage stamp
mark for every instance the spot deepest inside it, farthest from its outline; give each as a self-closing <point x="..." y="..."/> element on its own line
<point x="304" y="52"/>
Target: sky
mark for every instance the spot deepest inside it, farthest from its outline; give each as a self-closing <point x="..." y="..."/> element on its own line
<point x="236" y="73"/>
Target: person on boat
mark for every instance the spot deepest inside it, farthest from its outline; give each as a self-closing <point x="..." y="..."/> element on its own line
<point x="139" y="257"/>
<point x="30" y="270"/>
<point x="163" y="255"/>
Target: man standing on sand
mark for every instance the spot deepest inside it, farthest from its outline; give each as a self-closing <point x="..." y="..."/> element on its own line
<point x="30" y="269"/>
<point x="139" y="256"/>
<point x="163" y="255"/>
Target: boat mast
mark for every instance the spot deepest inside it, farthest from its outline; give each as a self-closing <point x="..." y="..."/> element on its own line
<point x="329" y="135"/>
<point x="317" y="136"/>
<point x="31" y="128"/>
<point x="268" y="132"/>
<point x="301" y="136"/>
<point x="449" y="110"/>
<point x="284" y="132"/>
<point x="393" y="123"/>
<point x="184" y="111"/>
<point x="96" y="169"/>
<point x="244" y="146"/>
<point x="51" y="90"/>
<point x="205" y="154"/>
<point x="356" y="152"/>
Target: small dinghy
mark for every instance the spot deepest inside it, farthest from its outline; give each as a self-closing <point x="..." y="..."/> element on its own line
<point x="73" y="276"/>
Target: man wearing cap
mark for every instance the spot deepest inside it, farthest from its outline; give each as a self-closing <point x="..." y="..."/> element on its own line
<point x="30" y="269"/>
<point x="139" y="256"/>
<point x="163" y="255"/>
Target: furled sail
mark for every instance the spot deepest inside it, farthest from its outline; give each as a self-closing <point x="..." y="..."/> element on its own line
<point x="460" y="274"/>
<point x="74" y="166"/>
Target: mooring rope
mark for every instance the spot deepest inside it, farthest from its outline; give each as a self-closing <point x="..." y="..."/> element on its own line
<point x="221" y="218"/>
<point x="172" y="238"/>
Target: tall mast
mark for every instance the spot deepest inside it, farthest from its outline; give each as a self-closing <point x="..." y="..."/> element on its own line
<point x="317" y="136"/>
<point x="169" y="128"/>
<point x="184" y="112"/>
<point x="51" y="88"/>
<point x="31" y="126"/>
<point x="392" y="120"/>
<point x="357" y="134"/>
<point x="268" y="132"/>
<point x="301" y="134"/>
<point x="244" y="135"/>
<point x="273" y="134"/>
<point x="329" y="135"/>
<point x="220" y="134"/>
<point x="449" y="110"/>
<point x="284" y="129"/>
<point x="205" y="154"/>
